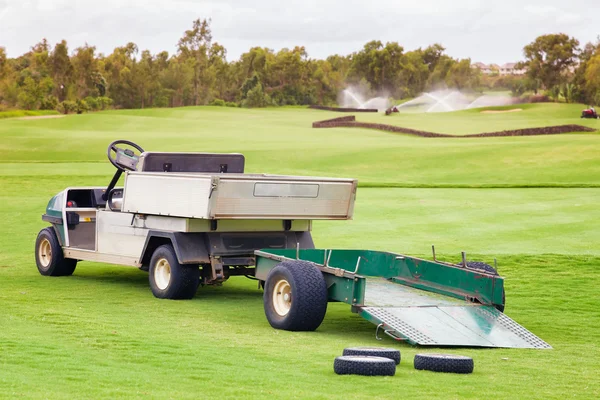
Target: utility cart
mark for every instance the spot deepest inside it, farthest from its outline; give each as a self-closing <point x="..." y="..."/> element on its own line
<point x="197" y="218"/>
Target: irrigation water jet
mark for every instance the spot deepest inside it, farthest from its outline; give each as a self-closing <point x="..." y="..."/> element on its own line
<point x="351" y="98"/>
<point x="451" y="100"/>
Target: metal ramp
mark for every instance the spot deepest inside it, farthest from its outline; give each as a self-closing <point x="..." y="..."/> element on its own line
<point x="428" y="319"/>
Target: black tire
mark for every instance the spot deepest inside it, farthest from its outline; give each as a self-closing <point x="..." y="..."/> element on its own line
<point x="481" y="266"/>
<point x="444" y="363"/>
<point x="306" y="302"/>
<point x="49" y="256"/>
<point x="169" y="279"/>
<point x="364" y="365"/>
<point x="392" y="354"/>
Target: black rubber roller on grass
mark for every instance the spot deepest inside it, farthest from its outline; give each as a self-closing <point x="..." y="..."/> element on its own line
<point x="364" y="365"/>
<point x="444" y="363"/>
<point x="392" y="354"/>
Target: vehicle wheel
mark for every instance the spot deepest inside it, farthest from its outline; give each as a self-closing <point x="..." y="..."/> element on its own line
<point x="479" y="265"/>
<point x="364" y="365"/>
<point x="49" y="256"/>
<point x="444" y="363"/>
<point x="482" y="267"/>
<point x="295" y="296"/>
<point x="169" y="279"/>
<point x="392" y="354"/>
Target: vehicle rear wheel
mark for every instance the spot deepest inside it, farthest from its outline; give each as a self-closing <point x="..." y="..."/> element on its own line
<point x="49" y="256"/>
<point x="168" y="278"/>
<point x="295" y="296"/>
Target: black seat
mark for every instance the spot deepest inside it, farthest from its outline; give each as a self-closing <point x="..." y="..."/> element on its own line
<point x="193" y="162"/>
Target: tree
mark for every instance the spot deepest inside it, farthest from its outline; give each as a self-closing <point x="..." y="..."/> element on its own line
<point x="413" y="76"/>
<point x="61" y="69"/>
<point x="587" y="88"/>
<point x="432" y="55"/>
<point x="592" y="76"/>
<point x="195" y="46"/>
<point x="378" y="64"/>
<point x="462" y="76"/>
<point x="84" y="63"/>
<point x="549" y="57"/>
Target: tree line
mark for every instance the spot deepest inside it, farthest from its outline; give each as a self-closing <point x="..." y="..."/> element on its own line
<point x="198" y="73"/>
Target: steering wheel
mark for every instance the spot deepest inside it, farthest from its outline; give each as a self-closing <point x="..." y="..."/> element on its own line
<point x="124" y="159"/>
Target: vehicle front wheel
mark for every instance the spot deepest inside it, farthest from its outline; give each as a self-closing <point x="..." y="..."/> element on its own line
<point x="49" y="256"/>
<point x="169" y="279"/>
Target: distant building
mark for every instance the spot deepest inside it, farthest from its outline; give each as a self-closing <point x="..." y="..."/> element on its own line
<point x="505" y="69"/>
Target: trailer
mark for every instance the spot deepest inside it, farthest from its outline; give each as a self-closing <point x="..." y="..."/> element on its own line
<point x="421" y="302"/>
<point x="192" y="219"/>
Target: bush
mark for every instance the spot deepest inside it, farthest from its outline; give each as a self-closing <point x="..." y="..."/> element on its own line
<point x="231" y="104"/>
<point x="82" y="106"/>
<point x="66" y="107"/>
<point x="104" y="102"/>
<point x="93" y="103"/>
<point x="554" y="92"/>
<point x="256" y="98"/>
<point x="49" y="103"/>
<point x="217" y="102"/>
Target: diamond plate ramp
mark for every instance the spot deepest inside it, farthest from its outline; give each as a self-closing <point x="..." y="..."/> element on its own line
<point x="428" y="319"/>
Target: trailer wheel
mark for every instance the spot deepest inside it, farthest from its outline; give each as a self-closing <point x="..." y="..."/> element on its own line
<point x="482" y="267"/>
<point x="49" y="256"/>
<point x="364" y="365"/>
<point x="168" y="278"/>
<point x="444" y="363"/>
<point x="295" y="296"/>
<point x="392" y="354"/>
<point x="491" y="270"/>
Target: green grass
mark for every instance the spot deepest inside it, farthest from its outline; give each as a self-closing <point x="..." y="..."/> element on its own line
<point x="101" y="334"/>
<point x="26" y="113"/>
<point x="281" y="141"/>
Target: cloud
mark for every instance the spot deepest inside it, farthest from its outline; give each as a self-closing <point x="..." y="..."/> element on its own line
<point x="482" y="30"/>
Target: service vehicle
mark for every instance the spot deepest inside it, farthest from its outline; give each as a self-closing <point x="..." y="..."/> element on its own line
<point x="197" y="218"/>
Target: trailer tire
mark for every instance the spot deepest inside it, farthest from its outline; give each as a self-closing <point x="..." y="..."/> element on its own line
<point x="479" y="265"/>
<point x="392" y="354"/>
<point x="49" y="256"/>
<point x="295" y="296"/>
<point x="364" y="365"/>
<point x="444" y="363"/>
<point x="169" y="279"/>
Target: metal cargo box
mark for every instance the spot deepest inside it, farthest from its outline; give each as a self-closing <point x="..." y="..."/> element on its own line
<point x="239" y="196"/>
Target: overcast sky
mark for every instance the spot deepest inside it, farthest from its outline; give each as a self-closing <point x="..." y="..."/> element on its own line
<point x="484" y="30"/>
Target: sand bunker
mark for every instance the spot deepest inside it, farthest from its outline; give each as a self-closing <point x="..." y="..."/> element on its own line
<point x="501" y="111"/>
<point x="41" y="116"/>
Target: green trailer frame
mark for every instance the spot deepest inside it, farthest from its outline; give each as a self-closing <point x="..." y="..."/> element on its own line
<point x="418" y="301"/>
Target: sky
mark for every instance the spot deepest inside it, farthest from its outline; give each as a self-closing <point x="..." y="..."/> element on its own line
<point x="483" y="30"/>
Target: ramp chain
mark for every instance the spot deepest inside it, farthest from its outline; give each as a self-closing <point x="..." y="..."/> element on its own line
<point x="508" y="323"/>
<point x="414" y="335"/>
